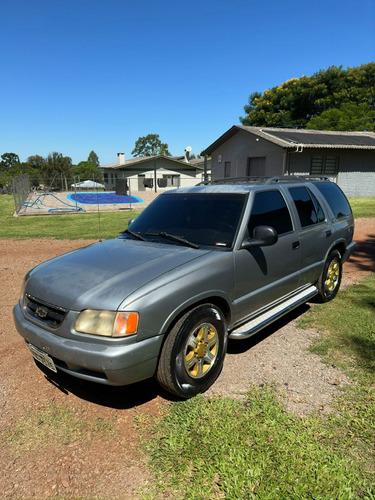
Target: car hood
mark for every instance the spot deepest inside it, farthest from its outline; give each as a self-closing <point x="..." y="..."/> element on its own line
<point x="102" y="275"/>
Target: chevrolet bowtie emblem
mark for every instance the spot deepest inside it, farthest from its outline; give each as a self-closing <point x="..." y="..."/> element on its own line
<point x="42" y="312"/>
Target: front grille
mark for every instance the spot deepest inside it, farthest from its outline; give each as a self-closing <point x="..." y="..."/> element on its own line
<point x="49" y="315"/>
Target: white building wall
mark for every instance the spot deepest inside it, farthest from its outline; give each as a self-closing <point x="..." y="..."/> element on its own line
<point x="357" y="184"/>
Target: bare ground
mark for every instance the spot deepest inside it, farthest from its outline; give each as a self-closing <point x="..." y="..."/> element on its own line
<point x="109" y="465"/>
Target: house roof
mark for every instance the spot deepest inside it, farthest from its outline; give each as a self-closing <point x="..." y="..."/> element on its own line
<point x="196" y="163"/>
<point x="293" y="138"/>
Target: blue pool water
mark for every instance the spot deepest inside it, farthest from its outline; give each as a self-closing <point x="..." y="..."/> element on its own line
<point x="105" y="198"/>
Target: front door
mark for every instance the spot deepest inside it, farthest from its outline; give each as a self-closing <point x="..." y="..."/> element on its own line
<point x="265" y="274"/>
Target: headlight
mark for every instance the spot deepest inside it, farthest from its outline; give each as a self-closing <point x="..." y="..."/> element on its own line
<point x="107" y="323"/>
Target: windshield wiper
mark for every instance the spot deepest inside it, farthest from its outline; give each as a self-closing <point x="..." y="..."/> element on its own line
<point x="174" y="237"/>
<point x="136" y="235"/>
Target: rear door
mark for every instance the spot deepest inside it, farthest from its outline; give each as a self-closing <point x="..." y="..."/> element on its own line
<point x="316" y="234"/>
<point x="266" y="274"/>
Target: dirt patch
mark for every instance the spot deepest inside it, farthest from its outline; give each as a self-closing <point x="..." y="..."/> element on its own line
<point x="109" y="465"/>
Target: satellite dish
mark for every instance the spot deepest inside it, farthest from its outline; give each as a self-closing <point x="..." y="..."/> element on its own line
<point x="188" y="149"/>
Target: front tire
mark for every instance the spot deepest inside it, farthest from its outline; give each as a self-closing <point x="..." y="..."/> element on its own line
<point x="193" y="352"/>
<point x="330" y="279"/>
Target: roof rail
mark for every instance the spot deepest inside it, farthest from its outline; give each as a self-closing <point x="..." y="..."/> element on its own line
<point x="296" y="178"/>
<point x="267" y="180"/>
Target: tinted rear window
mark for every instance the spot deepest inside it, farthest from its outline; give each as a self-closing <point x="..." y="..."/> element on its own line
<point x="308" y="208"/>
<point x="335" y="199"/>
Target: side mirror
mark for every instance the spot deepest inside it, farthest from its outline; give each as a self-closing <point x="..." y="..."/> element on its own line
<point x="263" y="236"/>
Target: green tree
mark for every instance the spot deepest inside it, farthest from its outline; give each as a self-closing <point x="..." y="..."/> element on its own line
<point x="299" y="100"/>
<point x="150" y="145"/>
<point x="8" y="160"/>
<point x="16" y="170"/>
<point x="349" y="117"/>
<point x="88" y="170"/>
<point x="93" y="158"/>
<point x="37" y="162"/>
<point x="59" y="169"/>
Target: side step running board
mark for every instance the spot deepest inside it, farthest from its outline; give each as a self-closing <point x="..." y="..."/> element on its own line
<point x="256" y="324"/>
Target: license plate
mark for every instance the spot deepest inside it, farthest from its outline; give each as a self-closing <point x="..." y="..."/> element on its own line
<point x="42" y="357"/>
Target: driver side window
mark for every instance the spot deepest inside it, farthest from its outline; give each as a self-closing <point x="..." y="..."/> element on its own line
<point x="269" y="209"/>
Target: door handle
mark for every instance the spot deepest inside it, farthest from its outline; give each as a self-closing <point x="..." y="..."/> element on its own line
<point x="295" y="245"/>
<point x="328" y="233"/>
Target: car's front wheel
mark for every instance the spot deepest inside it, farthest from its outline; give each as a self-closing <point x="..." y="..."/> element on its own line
<point x="330" y="279"/>
<point x="193" y="352"/>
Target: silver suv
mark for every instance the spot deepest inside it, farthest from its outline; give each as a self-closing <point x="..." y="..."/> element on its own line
<point x="198" y="266"/>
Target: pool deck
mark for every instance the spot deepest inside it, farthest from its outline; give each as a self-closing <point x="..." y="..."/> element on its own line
<point x="50" y="202"/>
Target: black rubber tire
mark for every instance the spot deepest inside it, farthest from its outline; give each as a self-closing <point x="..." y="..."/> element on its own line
<point x="173" y="373"/>
<point x="329" y="282"/>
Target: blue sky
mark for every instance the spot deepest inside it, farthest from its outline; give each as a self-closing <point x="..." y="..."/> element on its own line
<point x="82" y="75"/>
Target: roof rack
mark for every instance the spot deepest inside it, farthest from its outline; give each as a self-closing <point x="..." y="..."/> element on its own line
<point x="268" y="180"/>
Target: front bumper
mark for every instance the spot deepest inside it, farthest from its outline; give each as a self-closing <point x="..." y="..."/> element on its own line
<point x="117" y="364"/>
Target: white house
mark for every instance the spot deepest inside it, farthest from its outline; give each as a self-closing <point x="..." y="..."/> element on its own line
<point x="156" y="173"/>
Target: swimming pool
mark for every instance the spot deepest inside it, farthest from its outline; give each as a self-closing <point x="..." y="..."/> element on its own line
<point x="102" y="198"/>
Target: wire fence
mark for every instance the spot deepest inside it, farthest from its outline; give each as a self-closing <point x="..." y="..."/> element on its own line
<point x="21" y="190"/>
<point x="26" y="188"/>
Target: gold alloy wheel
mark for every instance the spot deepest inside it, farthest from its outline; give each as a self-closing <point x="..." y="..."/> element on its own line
<point x="201" y="350"/>
<point x="333" y="275"/>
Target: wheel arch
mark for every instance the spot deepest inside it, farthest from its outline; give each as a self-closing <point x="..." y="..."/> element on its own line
<point x="339" y="246"/>
<point x="217" y="300"/>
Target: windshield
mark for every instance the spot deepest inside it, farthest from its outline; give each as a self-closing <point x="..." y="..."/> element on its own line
<point x="200" y="218"/>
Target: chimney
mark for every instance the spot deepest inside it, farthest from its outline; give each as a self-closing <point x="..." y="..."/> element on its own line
<point x="121" y="158"/>
<point x="187" y="154"/>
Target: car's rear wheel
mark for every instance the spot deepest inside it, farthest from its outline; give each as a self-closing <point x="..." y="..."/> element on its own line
<point x="330" y="279"/>
<point x="193" y="352"/>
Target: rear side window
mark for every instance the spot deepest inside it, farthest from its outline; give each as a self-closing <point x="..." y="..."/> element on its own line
<point x="335" y="199"/>
<point x="269" y="209"/>
<point x="308" y="208"/>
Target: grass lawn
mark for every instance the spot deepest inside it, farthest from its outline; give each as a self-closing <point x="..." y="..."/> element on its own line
<point x="221" y="448"/>
<point x="363" y="207"/>
<point x="70" y="226"/>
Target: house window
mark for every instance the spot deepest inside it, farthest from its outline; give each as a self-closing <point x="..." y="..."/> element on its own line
<point x="324" y="165"/>
<point x="227" y="169"/>
<point x="106" y="177"/>
<point x="172" y="180"/>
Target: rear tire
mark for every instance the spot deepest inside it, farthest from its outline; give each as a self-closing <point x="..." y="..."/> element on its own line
<point x="329" y="282"/>
<point x="193" y="352"/>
